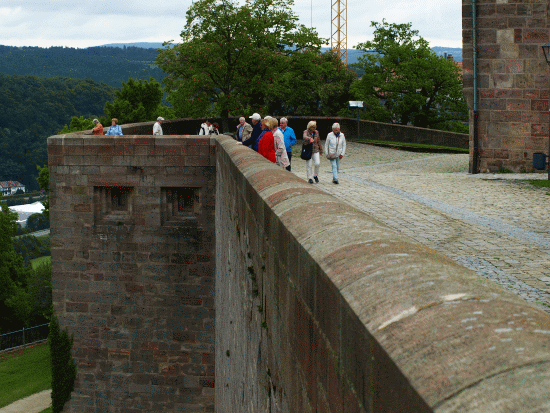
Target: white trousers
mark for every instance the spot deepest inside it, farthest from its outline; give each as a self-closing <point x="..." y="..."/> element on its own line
<point x="314" y="161"/>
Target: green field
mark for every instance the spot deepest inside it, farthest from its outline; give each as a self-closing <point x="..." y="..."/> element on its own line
<point x="37" y="261"/>
<point x="24" y="372"/>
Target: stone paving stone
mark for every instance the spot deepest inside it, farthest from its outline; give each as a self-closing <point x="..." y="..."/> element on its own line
<point x="488" y="224"/>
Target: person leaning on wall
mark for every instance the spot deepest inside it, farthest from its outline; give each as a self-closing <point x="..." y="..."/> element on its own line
<point x="157" y="129"/>
<point x="335" y="148"/>
<point x="114" y="129"/>
<point x="215" y="129"/>
<point x="311" y="135"/>
<point x="254" y="138"/>
<point x="244" y="129"/>
<point x="206" y="128"/>
<point x="98" y="128"/>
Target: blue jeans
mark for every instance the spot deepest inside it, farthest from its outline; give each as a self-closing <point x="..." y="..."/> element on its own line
<point x="335" y="168"/>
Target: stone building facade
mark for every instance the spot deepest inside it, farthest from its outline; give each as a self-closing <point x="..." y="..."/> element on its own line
<point x="132" y="241"/>
<point x="512" y="80"/>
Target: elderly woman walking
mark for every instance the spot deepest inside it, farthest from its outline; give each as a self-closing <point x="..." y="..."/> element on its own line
<point x="279" y="140"/>
<point x="335" y="148"/>
<point x="311" y="135"/>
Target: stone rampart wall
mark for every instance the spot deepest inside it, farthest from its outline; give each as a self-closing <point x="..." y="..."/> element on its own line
<point x="321" y="308"/>
<point x="132" y="240"/>
<point x="367" y="130"/>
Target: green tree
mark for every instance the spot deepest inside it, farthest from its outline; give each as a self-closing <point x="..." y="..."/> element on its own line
<point x="406" y="82"/>
<point x="15" y="304"/>
<point x="40" y="292"/>
<point x="137" y="101"/>
<point x="44" y="183"/>
<point x="37" y="222"/>
<point x="77" y="124"/>
<point x="231" y="55"/>
<point x="313" y="83"/>
<point x="63" y="365"/>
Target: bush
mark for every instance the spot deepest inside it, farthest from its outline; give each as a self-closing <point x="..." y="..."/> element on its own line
<point x="63" y="365"/>
<point x="13" y="201"/>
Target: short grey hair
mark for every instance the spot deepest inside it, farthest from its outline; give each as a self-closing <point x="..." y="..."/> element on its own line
<point x="284" y="120"/>
<point x="242" y="118"/>
<point x="336" y="126"/>
<point x="94" y="121"/>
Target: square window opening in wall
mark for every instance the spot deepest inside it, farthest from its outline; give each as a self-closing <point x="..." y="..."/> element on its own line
<point x="180" y="205"/>
<point x="114" y="203"/>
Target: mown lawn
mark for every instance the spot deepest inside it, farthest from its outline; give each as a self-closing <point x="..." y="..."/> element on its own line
<point x="540" y="183"/>
<point x="24" y="372"/>
<point x="37" y="261"/>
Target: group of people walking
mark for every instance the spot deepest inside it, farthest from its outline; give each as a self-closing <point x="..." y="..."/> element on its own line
<point x="275" y="143"/>
<point x="271" y="138"/>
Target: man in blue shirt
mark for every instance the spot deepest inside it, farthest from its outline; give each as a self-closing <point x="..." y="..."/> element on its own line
<point x="114" y="129"/>
<point x="290" y="138"/>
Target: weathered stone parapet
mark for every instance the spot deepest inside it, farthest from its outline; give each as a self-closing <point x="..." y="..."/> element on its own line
<point x="132" y="237"/>
<point x="326" y="309"/>
<point x="513" y="80"/>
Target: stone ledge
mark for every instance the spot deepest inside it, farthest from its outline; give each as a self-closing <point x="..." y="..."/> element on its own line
<point x="453" y="335"/>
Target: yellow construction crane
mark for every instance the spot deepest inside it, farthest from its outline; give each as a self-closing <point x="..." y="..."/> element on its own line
<point x="339" y="36"/>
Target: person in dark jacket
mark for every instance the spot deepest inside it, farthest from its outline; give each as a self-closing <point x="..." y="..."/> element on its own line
<point x="256" y="132"/>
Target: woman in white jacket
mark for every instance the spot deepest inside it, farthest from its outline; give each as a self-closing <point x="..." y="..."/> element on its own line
<point x="335" y="148"/>
<point x="279" y="141"/>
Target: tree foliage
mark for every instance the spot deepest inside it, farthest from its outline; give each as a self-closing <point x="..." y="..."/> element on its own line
<point x="44" y="183"/>
<point x="108" y="65"/>
<point x="312" y="84"/>
<point x="31" y="109"/>
<point x="237" y="59"/>
<point x="14" y="299"/>
<point x="78" y="124"/>
<point x="137" y="101"/>
<point x="31" y="247"/>
<point x="406" y="82"/>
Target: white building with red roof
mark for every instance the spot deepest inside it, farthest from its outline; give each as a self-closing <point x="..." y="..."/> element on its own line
<point x="10" y="187"/>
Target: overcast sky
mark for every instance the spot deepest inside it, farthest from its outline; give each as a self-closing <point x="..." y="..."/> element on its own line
<point x="78" y="23"/>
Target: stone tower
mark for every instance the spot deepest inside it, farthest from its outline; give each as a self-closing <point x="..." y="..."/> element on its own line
<point x="133" y="268"/>
<point x="512" y="80"/>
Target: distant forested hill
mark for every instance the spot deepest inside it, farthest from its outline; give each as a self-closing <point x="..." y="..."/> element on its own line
<point x="109" y="65"/>
<point x="33" y="108"/>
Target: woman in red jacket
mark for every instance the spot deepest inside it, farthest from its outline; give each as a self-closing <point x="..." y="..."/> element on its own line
<point x="266" y="147"/>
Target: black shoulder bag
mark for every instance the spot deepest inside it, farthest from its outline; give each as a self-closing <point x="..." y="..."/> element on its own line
<point x="307" y="151"/>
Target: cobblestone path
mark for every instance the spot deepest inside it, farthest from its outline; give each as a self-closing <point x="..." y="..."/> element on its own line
<point x="489" y="223"/>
